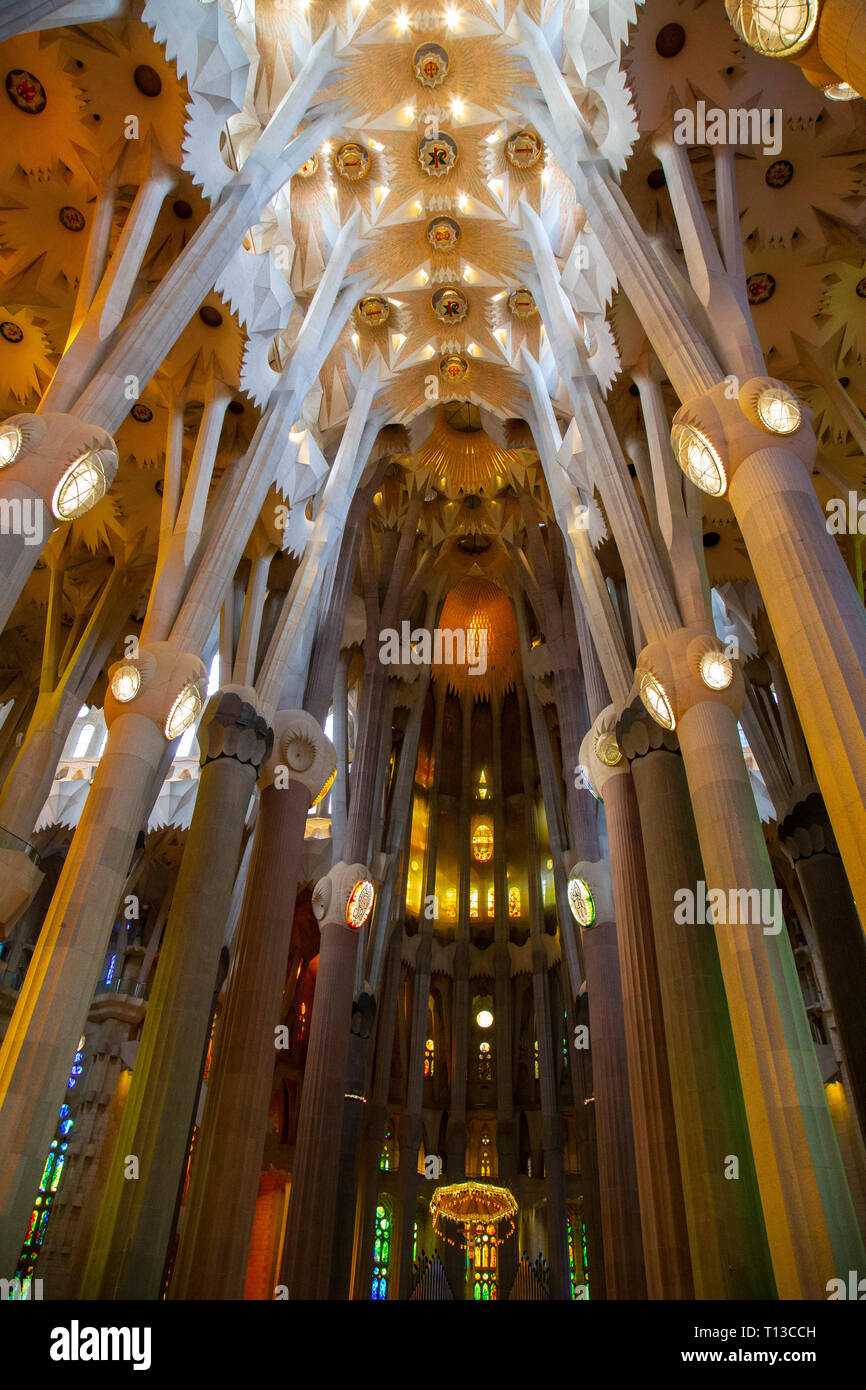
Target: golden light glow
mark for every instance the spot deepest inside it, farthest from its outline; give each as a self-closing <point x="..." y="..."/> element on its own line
<point x="126" y="683"/>
<point x="360" y="904"/>
<point x="465" y="1203"/>
<point x="83" y="485"/>
<point x="717" y="670"/>
<point x="401" y="19"/>
<point x="841" y="91"/>
<point x="452" y="17"/>
<point x="774" y="27"/>
<point x="484" y="1018"/>
<point x="699" y="460"/>
<point x="779" y="410"/>
<point x="607" y="750"/>
<point x="185" y="710"/>
<point x="655" y="700"/>
<point x="10" y="445"/>
<point x="581" y="901"/>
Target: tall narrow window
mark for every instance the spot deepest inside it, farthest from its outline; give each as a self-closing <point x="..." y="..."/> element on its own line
<point x="485" y="1153"/>
<point x="473" y="903"/>
<point x="381" y="1252"/>
<point x="429" y="1057"/>
<point x="485" y="1062"/>
<point x="52" y="1172"/>
<point x="535" y="1059"/>
<point x="82" y="743"/>
<point x="302" y="1023"/>
<point x="491" y="902"/>
<point x="577" y="1258"/>
<point x="385" y="1158"/>
<point x="514" y="902"/>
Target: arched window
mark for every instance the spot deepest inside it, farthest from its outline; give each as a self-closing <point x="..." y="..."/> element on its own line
<point x="481" y="1256"/>
<point x="485" y="1062"/>
<point x="514" y="902"/>
<point x="491" y="902"/>
<point x="302" y="1022"/>
<point x="473" y="902"/>
<point x="577" y="1258"/>
<point x="381" y="1252"/>
<point x="535" y="1059"/>
<point x="429" y="1057"/>
<point x="82" y="743"/>
<point x="485" y="1153"/>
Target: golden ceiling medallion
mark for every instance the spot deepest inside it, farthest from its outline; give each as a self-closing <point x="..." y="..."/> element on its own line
<point x="443" y="233"/>
<point x="373" y="311"/>
<point x="522" y="304"/>
<point x="431" y="64"/>
<point x="309" y="167"/>
<point x="352" y="162"/>
<point x="524" y="149"/>
<point x="453" y="367"/>
<point x="450" y="306"/>
<point x="437" y="155"/>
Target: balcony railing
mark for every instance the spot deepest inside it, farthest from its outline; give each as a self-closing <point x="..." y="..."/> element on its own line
<point x="10" y="841"/>
<point x="136" y="989"/>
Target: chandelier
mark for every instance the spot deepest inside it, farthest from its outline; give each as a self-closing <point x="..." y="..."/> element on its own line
<point x="465" y="1203"/>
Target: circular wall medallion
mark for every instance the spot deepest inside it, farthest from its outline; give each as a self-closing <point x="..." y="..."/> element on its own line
<point x="309" y="167"/>
<point x="373" y="310"/>
<point x="147" y="80"/>
<point x="453" y="368"/>
<point x="760" y="287"/>
<point x="443" y="233"/>
<point x="181" y="208"/>
<point x="431" y="64"/>
<point x="437" y="155"/>
<point x="670" y="40"/>
<point x="860" y="288"/>
<point x="10" y="332"/>
<point x="523" y="149"/>
<point x="352" y="162"/>
<point x="142" y="413"/>
<point x="780" y="172"/>
<point x="522" y="304"/>
<point x="449" y="305"/>
<point x="25" y="91"/>
<point x="72" y="219"/>
<point x="360" y="904"/>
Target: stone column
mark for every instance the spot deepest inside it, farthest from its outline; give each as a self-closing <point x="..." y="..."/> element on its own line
<point x="728" y="1245"/>
<point x="808" y="1213"/>
<point x="134" y="1227"/>
<point x="52" y="1007"/>
<point x="807" y="837"/>
<point x="663" y="1221"/>
<point x="309" y="1238"/>
<point x="212" y="1255"/>
<point x="506" y="1130"/>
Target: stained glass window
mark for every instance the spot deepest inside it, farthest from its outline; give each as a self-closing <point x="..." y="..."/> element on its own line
<point x="481" y="1258"/>
<point x="473" y="902"/>
<point x="385" y="1157"/>
<point x="483" y="789"/>
<point x="381" y="1251"/>
<point x="485" y="1062"/>
<point x="577" y="1258"/>
<point x="514" y="902"/>
<point x="491" y="900"/>
<point x="52" y="1173"/>
<point x="535" y="1059"/>
<point x="482" y="842"/>
<point x="429" y="1057"/>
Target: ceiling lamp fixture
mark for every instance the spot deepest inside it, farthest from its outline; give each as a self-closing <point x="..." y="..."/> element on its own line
<point x="581" y="901"/>
<point x="655" y="700"/>
<point x="775" y="28"/>
<point x="484" y="1018"/>
<point x="717" y="670"/>
<point x="779" y="410"/>
<point x="10" y="445"/>
<point x="360" y="904"/>
<point x="126" y="683"/>
<point x="185" y="710"/>
<point x="841" y="91"/>
<point x="699" y="460"/>
<point x="84" y="483"/>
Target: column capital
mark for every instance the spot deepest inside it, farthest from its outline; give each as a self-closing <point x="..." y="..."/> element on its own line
<point x="716" y="431"/>
<point x="231" y="727"/>
<point x="165" y="685"/>
<point x="805" y="830"/>
<point x="344" y="897"/>
<point x="689" y="667"/>
<point x="601" y="755"/>
<point x="67" y="461"/>
<point x="300" y="753"/>
<point x="638" y="733"/>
